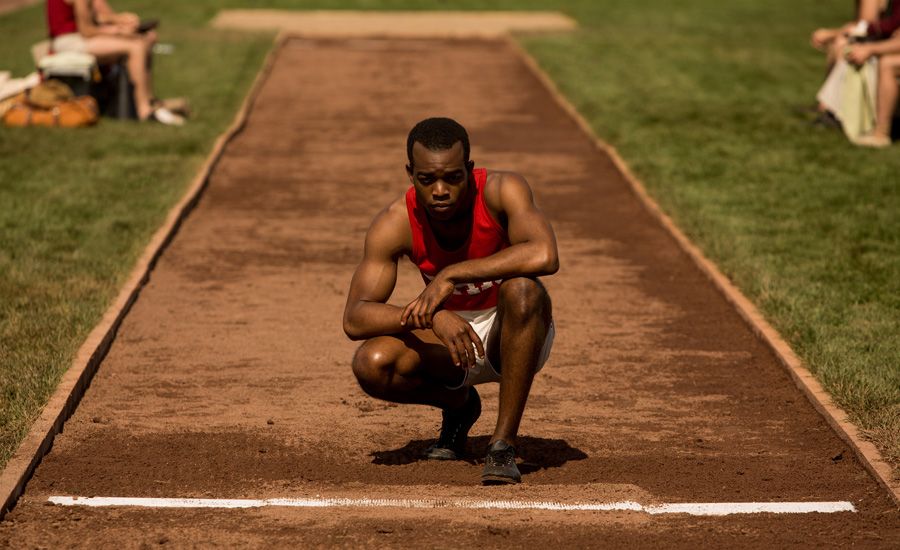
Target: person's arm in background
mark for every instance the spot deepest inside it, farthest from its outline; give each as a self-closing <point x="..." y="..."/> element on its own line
<point x="866" y="15"/>
<point x="87" y="27"/>
<point x="860" y="53"/>
<point x="868" y="10"/>
<point x="107" y="16"/>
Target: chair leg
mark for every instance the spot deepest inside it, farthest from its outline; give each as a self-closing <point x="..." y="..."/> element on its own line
<point x="123" y="103"/>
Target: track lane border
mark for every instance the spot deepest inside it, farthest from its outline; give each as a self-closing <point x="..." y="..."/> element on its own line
<point x="834" y="415"/>
<point x="77" y="378"/>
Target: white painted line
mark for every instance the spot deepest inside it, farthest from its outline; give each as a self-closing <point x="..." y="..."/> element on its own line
<point x="693" y="508"/>
<point x="728" y="508"/>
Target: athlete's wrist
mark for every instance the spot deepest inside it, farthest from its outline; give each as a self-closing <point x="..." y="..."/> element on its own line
<point x="447" y="275"/>
<point x="441" y="313"/>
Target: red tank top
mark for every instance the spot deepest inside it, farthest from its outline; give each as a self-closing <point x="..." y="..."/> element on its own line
<point x="486" y="238"/>
<point x="60" y="18"/>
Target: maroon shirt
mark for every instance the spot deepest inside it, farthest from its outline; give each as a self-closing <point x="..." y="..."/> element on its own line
<point x="60" y="18"/>
<point x="887" y="23"/>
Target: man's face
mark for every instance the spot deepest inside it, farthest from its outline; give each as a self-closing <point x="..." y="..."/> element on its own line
<point x="441" y="179"/>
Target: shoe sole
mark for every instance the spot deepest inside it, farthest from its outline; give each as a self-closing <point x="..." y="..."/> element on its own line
<point x="493" y="479"/>
<point x="441" y="454"/>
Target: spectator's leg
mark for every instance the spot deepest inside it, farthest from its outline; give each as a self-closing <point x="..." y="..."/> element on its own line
<point x="150" y="39"/>
<point x="107" y="48"/>
<point x="889" y="70"/>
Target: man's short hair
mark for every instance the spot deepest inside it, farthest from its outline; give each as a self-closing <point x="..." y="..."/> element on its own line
<point x="437" y="134"/>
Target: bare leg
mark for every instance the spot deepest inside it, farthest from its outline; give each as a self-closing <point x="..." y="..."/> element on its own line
<point x="110" y="48"/>
<point x="888" y="69"/>
<point x="524" y="316"/>
<point x="140" y="77"/>
<point x="150" y="39"/>
<point x="411" y="368"/>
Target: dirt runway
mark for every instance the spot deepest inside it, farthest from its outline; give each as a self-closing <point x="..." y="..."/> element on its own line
<point x="230" y="377"/>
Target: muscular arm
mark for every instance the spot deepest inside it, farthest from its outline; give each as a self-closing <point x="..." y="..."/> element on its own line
<point x="366" y="313"/>
<point x="533" y="244"/>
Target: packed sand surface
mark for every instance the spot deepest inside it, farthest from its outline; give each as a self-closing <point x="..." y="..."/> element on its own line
<point x="230" y="377"/>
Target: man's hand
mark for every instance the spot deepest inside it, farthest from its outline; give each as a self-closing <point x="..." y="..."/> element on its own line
<point x="459" y="337"/>
<point x="858" y="54"/>
<point x="420" y="312"/>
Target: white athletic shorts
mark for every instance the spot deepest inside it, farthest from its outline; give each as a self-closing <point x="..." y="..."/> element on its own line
<point x="71" y="42"/>
<point x="482" y="321"/>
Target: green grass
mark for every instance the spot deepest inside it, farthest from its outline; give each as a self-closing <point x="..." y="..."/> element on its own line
<point x="699" y="104"/>
<point x="696" y="95"/>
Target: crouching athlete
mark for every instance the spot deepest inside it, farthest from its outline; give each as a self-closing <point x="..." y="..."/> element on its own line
<point x="480" y="244"/>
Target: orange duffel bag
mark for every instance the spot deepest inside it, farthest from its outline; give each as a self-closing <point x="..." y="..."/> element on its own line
<point x="72" y="113"/>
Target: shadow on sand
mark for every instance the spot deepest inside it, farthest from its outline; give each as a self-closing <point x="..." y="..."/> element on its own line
<point x="535" y="453"/>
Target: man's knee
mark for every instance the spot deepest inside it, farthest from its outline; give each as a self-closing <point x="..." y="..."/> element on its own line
<point x="372" y="367"/>
<point x="522" y="298"/>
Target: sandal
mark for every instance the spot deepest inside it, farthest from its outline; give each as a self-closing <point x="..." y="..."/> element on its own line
<point x="178" y="105"/>
<point x="165" y="116"/>
<point x="875" y="141"/>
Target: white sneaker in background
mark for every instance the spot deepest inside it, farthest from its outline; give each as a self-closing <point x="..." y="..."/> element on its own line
<point x="163" y="49"/>
<point x="167" y="117"/>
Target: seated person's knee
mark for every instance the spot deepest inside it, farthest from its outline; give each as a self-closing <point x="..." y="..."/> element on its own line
<point x="889" y="65"/>
<point x="137" y="46"/>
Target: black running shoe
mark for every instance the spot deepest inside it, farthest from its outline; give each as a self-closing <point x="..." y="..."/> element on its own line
<point x="500" y="465"/>
<point x="451" y="445"/>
